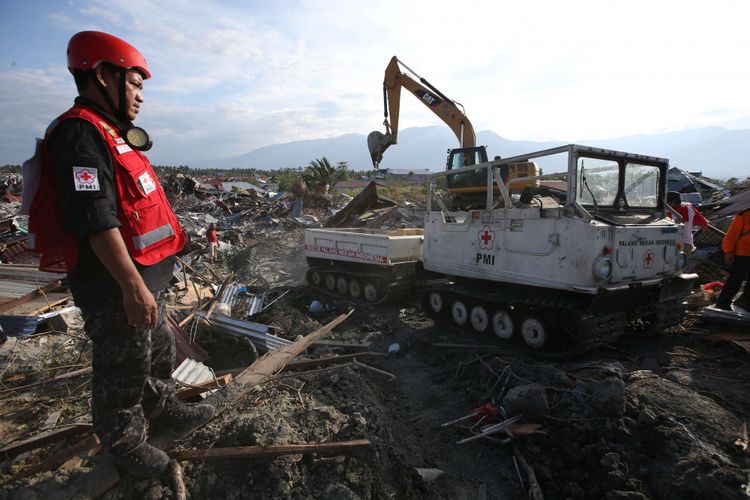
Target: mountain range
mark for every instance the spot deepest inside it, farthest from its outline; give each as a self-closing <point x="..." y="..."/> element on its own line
<point x="717" y="152"/>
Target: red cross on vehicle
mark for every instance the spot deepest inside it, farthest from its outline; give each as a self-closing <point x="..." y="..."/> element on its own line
<point x="648" y="259"/>
<point x="486" y="237"/>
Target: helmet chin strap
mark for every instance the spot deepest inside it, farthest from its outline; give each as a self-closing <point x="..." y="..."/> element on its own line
<point x="117" y="111"/>
<point x="135" y="137"/>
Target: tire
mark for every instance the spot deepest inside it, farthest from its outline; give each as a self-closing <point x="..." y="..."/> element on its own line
<point x="372" y="294"/>
<point x="436" y="302"/>
<point x="534" y="332"/>
<point x="479" y="318"/>
<point x="459" y="313"/>
<point x="502" y="325"/>
<point x="342" y="285"/>
<point x="330" y="282"/>
<point x="315" y="278"/>
<point x="355" y="289"/>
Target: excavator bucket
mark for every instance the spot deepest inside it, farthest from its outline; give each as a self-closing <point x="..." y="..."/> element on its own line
<point x="377" y="143"/>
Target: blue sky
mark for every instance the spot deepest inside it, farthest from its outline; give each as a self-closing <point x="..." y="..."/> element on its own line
<point x="229" y="77"/>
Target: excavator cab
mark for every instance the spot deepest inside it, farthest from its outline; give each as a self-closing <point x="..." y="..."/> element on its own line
<point x="464" y="157"/>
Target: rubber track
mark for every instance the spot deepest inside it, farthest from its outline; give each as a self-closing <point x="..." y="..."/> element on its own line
<point x="388" y="295"/>
<point x="592" y="328"/>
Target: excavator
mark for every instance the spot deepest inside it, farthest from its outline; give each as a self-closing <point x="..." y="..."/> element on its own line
<point x="453" y="114"/>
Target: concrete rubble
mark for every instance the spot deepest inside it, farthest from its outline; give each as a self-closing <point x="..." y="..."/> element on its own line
<point x="350" y="415"/>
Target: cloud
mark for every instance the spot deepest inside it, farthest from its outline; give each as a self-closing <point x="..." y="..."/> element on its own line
<point x="233" y="76"/>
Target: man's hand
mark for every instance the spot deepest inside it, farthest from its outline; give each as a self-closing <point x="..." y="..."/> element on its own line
<point x="140" y="306"/>
<point x="729" y="258"/>
<point x="138" y="302"/>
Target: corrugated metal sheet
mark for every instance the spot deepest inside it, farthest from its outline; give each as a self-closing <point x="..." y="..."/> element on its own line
<point x="236" y="295"/>
<point x="256" y="332"/>
<point x="192" y="372"/>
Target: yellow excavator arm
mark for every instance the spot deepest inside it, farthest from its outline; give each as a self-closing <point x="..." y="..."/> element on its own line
<point x="449" y="111"/>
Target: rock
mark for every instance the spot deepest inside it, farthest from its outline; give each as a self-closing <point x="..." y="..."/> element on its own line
<point x="339" y="492"/>
<point x="608" y="397"/>
<point x="575" y="492"/>
<point x="624" y="495"/>
<point x="358" y="420"/>
<point x="610" y="460"/>
<point x="528" y="400"/>
<point x="647" y="417"/>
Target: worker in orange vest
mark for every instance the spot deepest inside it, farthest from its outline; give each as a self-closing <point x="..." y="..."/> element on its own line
<point x="736" y="248"/>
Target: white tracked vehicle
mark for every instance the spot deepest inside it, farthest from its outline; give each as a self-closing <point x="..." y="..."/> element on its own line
<point x="560" y="268"/>
<point x="566" y="271"/>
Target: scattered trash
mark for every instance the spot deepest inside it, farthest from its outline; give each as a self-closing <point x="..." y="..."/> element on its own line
<point x="430" y="475"/>
<point x="394" y="348"/>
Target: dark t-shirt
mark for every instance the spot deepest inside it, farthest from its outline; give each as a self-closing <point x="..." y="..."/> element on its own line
<point x="76" y="144"/>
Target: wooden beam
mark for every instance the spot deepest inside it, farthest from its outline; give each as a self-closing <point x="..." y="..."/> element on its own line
<point x="345" y="358"/>
<point x="49" y="287"/>
<point x="264" y="368"/>
<point x="43" y="439"/>
<point x="347" y="346"/>
<point x="64" y="376"/>
<point x="59" y="458"/>
<point x="193" y="270"/>
<point x="270" y="450"/>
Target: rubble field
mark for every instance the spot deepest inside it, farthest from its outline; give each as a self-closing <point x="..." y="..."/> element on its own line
<point x="659" y="415"/>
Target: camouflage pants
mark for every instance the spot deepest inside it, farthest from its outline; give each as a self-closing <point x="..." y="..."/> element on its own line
<point x="131" y="377"/>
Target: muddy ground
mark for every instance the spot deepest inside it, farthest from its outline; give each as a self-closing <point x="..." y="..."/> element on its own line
<point x="652" y="416"/>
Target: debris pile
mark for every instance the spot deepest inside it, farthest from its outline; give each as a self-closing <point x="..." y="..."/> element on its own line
<point x="318" y="397"/>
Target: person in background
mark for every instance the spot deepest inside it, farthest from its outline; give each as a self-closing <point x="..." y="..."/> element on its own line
<point x="101" y="215"/>
<point x="213" y="241"/>
<point x="691" y="217"/>
<point x="736" y="248"/>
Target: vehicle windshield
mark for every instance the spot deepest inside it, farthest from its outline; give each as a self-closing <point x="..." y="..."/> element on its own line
<point x="641" y="185"/>
<point x="597" y="181"/>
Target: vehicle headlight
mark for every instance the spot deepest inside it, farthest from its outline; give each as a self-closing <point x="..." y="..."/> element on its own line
<point x="681" y="260"/>
<point x="602" y="268"/>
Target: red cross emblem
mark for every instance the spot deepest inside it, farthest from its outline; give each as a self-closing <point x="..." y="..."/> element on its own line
<point x="648" y="260"/>
<point x="85" y="177"/>
<point x="486" y="238"/>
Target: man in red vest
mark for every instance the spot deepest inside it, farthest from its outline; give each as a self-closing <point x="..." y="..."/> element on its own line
<point x="101" y="215"/>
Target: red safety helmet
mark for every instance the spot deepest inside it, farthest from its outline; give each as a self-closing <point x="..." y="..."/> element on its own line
<point x="89" y="48"/>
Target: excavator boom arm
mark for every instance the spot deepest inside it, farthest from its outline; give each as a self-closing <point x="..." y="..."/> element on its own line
<point x="446" y="109"/>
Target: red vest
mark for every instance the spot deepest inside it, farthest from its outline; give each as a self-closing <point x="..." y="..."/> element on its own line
<point x="149" y="228"/>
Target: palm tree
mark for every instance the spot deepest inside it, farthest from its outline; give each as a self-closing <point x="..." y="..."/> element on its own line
<point x="319" y="175"/>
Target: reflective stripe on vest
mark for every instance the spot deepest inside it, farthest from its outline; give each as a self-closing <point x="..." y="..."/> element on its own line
<point x="152" y="237"/>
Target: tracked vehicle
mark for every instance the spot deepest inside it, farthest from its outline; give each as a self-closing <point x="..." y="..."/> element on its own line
<point x="371" y="265"/>
<point x="563" y="272"/>
<point x="559" y="272"/>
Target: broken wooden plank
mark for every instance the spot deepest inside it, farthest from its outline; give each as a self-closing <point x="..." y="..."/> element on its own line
<point x="64" y="376"/>
<point x="270" y="450"/>
<point x="265" y="367"/>
<point x="49" y="287"/>
<point x="175" y="477"/>
<point x="58" y="459"/>
<point x="304" y="364"/>
<point x="43" y="439"/>
<point x="39" y="304"/>
<point x="209" y="385"/>
<point x="347" y="346"/>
